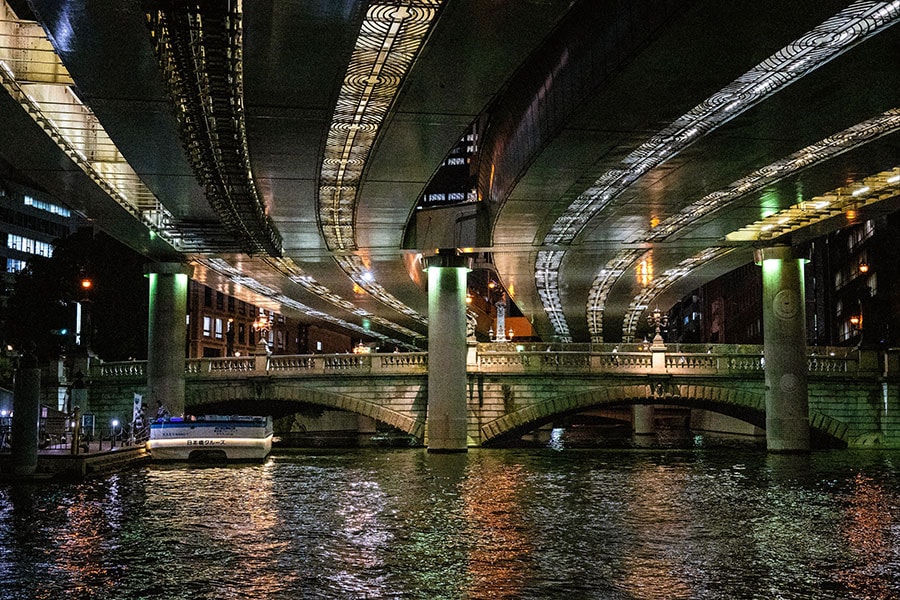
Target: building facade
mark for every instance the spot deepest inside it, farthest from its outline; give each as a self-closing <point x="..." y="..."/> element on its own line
<point x="30" y="223"/>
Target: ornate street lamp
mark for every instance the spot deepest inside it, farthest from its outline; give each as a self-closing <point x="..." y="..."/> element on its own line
<point x="263" y="325"/>
<point x="658" y="321"/>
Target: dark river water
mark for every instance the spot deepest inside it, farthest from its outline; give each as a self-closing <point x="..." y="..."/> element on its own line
<point x="524" y="523"/>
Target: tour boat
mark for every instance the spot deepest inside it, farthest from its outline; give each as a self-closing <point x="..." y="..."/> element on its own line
<point x="211" y="437"/>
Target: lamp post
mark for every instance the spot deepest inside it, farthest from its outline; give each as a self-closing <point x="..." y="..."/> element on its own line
<point x="263" y="325"/>
<point x="83" y="323"/>
<point x="658" y="321"/>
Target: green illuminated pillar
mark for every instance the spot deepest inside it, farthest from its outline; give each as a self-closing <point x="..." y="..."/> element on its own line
<point x="166" y="335"/>
<point x="445" y="420"/>
<point x="784" y="349"/>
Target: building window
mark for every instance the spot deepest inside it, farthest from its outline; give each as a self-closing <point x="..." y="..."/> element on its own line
<point x="47" y="206"/>
<point x="207" y="326"/>
<point x="242" y="333"/>
<point x="207" y="296"/>
<point x="872" y="284"/>
<point x="24" y="244"/>
<point x="230" y="303"/>
<point x="14" y="265"/>
<point x="279" y="335"/>
<point x="219" y="329"/>
<point x="242" y="307"/>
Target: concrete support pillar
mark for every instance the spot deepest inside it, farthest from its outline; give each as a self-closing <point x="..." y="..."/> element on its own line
<point x="26" y="417"/>
<point x="167" y="334"/>
<point x="643" y="425"/>
<point x="446" y="419"/>
<point x="784" y="350"/>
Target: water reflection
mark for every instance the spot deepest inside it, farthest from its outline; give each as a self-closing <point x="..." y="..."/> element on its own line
<point x="497" y="530"/>
<point x="657" y="521"/>
<point x="866" y="526"/>
<point x="627" y="525"/>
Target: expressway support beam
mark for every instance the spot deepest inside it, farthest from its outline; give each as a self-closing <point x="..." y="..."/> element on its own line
<point x="446" y="420"/>
<point x="784" y="350"/>
<point x="166" y="335"/>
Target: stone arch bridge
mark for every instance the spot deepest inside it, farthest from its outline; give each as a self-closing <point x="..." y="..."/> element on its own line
<point x="513" y="389"/>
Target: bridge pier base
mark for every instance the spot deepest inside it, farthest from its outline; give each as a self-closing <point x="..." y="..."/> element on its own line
<point x="644" y="430"/>
<point x="446" y="419"/>
<point x="166" y="335"/>
<point x="784" y="350"/>
<point x="26" y="417"/>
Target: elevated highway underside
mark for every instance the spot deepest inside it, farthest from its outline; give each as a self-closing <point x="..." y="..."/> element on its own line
<point x="625" y="152"/>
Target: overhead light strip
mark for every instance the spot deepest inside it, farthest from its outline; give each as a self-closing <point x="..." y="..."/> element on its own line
<point x="33" y="75"/>
<point x="640" y="303"/>
<point x="851" y="26"/>
<point x="293" y="272"/>
<point x="389" y="39"/>
<point x="602" y="286"/>
<point x="843" y="200"/>
<point x="199" y="48"/>
<point x="848" y="139"/>
<point x="234" y="274"/>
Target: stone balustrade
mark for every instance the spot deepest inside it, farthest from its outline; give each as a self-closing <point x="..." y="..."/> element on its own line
<point x="624" y="359"/>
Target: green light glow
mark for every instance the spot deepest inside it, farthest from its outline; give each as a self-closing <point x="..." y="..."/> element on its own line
<point x="181" y="283"/>
<point x="769" y="204"/>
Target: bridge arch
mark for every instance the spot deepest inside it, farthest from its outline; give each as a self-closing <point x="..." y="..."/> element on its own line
<point x="746" y="405"/>
<point x="250" y="391"/>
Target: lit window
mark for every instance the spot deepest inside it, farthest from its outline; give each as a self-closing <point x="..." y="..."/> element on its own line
<point x="872" y="284"/>
<point x="219" y="329"/>
<point x="24" y="244"/>
<point x="14" y="265"/>
<point x="207" y="326"/>
<point x="47" y="206"/>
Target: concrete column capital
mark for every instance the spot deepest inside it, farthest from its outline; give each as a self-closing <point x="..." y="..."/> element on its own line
<point x="168" y="268"/>
<point x="447" y="258"/>
<point x="779" y="252"/>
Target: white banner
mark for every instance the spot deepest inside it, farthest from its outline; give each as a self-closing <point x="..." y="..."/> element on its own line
<point x="138" y="400"/>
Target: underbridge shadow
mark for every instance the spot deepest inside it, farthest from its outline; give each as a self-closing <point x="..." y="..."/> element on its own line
<point x="744" y="405"/>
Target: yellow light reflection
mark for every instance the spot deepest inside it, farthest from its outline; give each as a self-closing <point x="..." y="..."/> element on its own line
<point x="867" y="526"/>
<point x="644" y="271"/>
<point x="499" y="556"/>
<point x="650" y="574"/>
<point x="81" y="538"/>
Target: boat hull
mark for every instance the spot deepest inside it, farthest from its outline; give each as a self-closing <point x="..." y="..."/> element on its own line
<point x="206" y="438"/>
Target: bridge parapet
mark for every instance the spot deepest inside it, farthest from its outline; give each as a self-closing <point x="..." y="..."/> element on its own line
<point x="609" y="359"/>
<point x="131" y="368"/>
